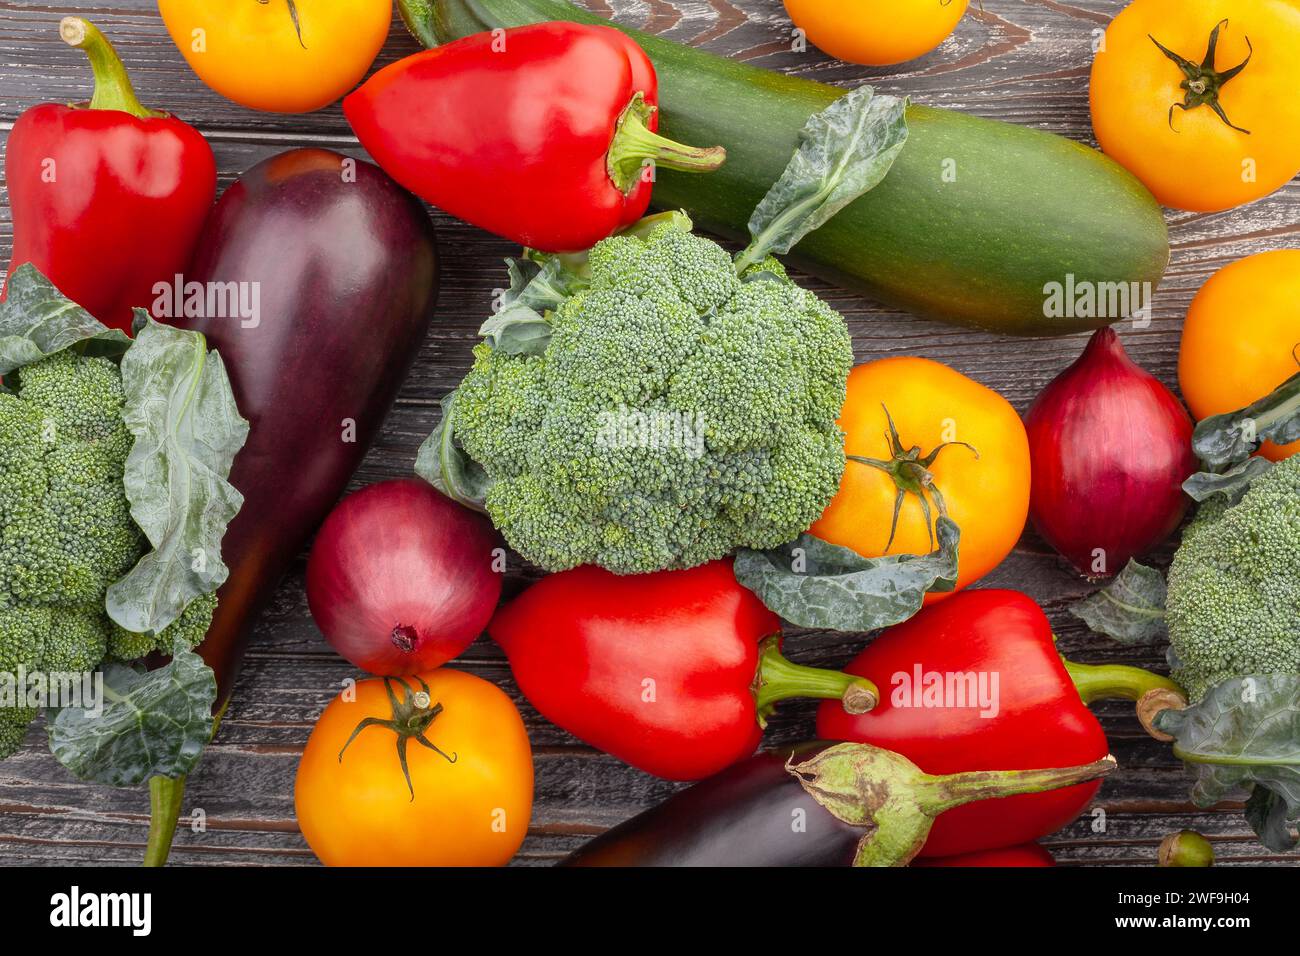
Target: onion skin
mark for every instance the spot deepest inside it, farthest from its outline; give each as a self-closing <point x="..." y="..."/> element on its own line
<point x="400" y="578"/>
<point x="1111" y="447"/>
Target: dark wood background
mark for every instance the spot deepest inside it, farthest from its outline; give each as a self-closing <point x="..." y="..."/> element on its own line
<point x="1022" y="61"/>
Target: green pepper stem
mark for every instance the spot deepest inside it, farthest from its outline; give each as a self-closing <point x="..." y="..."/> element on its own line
<point x="1115" y="681"/>
<point x="634" y="146"/>
<point x="954" y="790"/>
<point x="113" y="89"/>
<point x="779" y="678"/>
<point x="165" y="796"/>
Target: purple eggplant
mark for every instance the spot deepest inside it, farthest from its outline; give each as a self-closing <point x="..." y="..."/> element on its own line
<point x="345" y="266"/>
<point x="816" y="804"/>
<point x="335" y="277"/>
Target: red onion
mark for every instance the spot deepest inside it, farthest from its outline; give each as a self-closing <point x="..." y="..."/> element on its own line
<point x="1110" y="447"/>
<point x="401" y="579"/>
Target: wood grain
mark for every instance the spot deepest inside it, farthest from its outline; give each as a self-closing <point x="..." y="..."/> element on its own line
<point x="1022" y="61"/>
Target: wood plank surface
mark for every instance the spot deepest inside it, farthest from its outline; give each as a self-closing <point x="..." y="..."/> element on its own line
<point x="1022" y="61"/>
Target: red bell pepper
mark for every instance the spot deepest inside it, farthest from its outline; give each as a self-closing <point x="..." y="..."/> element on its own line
<point x="1025" y="855"/>
<point x="107" y="197"/>
<point x="673" y="672"/>
<point x="541" y="134"/>
<point x="931" y="668"/>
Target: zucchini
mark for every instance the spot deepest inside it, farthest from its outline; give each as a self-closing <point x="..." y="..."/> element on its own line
<point x="978" y="223"/>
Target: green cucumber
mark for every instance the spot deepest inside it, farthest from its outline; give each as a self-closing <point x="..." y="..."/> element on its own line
<point x="978" y="223"/>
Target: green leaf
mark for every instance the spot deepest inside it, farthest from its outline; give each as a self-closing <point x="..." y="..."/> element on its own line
<point x="1244" y="734"/>
<point x="1267" y="813"/>
<point x="187" y="428"/>
<point x="443" y="463"/>
<point x="517" y="330"/>
<point x="1130" y="609"/>
<point x="1232" y="484"/>
<point x="154" y="723"/>
<point x="1227" y="439"/>
<point x="520" y="326"/>
<point x="37" y="321"/>
<point x="545" y="284"/>
<point x="813" y="583"/>
<point x="844" y="152"/>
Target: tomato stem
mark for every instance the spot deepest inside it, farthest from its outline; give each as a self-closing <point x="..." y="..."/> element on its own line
<point x="911" y="474"/>
<point x="412" y="716"/>
<point x="1202" y="82"/>
<point x="293" y="15"/>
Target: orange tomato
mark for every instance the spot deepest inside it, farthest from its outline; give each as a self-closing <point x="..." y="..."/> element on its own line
<point x="1193" y="158"/>
<point x="466" y="806"/>
<point x="1242" y="338"/>
<point x="876" y="32"/>
<point x="282" y="56"/>
<point x="986" y="495"/>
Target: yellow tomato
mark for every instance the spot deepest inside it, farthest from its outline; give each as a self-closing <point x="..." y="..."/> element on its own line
<point x="467" y="803"/>
<point x="876" y="32"/>
<point x="1242" y="337"/>
<point x="282" y="56"/>
<point x="1194" y="158"/>
<point x="983" y="483"/>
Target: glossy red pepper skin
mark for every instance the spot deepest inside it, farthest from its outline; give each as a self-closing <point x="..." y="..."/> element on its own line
<point x="1025" y="855"/>
<point x="105" y="203"/>
<point x="1041" y="721"/>
<point x="655" y="669"/>
<point x="512" y="131"/>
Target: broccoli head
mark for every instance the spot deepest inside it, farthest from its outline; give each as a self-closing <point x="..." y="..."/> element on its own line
<point x="66" y="531"/>
<point x="677" y="412"/>
<point x="1234" y="586"/>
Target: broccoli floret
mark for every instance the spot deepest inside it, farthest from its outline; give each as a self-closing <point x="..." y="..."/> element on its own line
<point x="192" y="625"/>
<point x="1234" y="586"/>
<point x="13" y="728"/>
<point x="679" y="411"/>
<point x="66" y="531"/>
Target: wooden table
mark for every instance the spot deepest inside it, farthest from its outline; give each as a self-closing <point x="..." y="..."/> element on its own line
<point x="1023" y="61"/>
